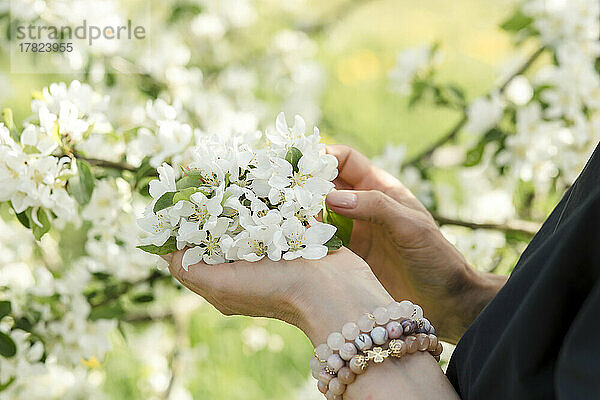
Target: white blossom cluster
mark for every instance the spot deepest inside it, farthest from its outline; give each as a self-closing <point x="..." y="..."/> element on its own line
<point x="245" y="198"/>
<point x="411" y="64"/>
<point x="199" y="70"/>
<point x="33" y="169"/>
<point x="556" y="132"/>
<point x="549" y="120"/>
<point x="47" y="364"/>
<point x="32" y="178"/>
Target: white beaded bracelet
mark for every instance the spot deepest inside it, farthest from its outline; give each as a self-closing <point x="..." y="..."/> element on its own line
<point x="346" y="354"/>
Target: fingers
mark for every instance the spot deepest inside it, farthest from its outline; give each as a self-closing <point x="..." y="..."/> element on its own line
<point x="355" y="171"/>
<point x="372" y="205"/>
<point x="201" y="278"/>
<point x="353" y="166"/>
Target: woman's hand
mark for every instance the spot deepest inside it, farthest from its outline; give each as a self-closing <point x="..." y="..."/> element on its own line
<point x="396" y="235"/>
<point x="318" y="296"/>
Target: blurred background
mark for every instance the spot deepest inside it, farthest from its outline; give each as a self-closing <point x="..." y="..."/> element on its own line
<point x="332" y="62"/>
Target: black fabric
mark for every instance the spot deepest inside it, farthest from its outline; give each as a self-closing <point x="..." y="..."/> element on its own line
<point x="539" y="337"/>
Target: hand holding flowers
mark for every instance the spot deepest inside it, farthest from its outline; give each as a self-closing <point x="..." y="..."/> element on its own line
<point x="244" y="198"/>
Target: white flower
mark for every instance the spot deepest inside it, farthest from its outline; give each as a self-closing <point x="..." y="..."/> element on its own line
<point x="206" y="208"/>
<point x="306" y="243"/>
<point x="257" y="242"/>
<point x="165" y="182"/>
<point x="484" y="113"/>
<point x="156" y="225"/>
<point x="519" y="90"/>
<point x="34" y="137"/>
<point x="189" y="232"/>
<point x="213" y="248"/>
<point x="410" y="64"/>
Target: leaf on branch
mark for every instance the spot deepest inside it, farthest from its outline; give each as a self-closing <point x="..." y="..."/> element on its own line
<point x="169" y="247"/>
<point x="343" y="224"/>
<point x="143" y="298"/>
<point x="8" y="348"/>
<point x="82" y="186"/>
<point x="42" y="218"/>
<point x="9" y="122"/>
<point x="23" y="218"/>
<point x="164" y="201"/>
<point x="192" y="173"/>
<point x="5" y="308"/>
<point x="144" y="170"/>
<point x="108" y="311"/>
<point x="187" y="182"/>
<point x="293" y="156"/>
<point x="516" y="22"/>
<point x="475" y="154"/>
<point x="334" y="243"/>
<point x="4" y="386"/>
<point x="184" y="194"/>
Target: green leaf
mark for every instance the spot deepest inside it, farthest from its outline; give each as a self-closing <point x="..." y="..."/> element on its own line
<point x="7" y="117"/>
<point x="188" y="181"/>
<point x="419" y="88"/>
<point x="5" y="308"/>
<point x="516" y="22"/>
<point x="184" y="194"/>
<point x="293" y="156"/>
<point x="4" y="386"/>
<point x="144" y="170"/>
<point x="9" y="122"/>
<point x="343" y="224"/>
<point x="192" y="173"/>
<point x="143" y="298"/>
<point x="23" y="218"/>
<point x="108" y="311"/>
<point x="164" y="201"/>
<point x="334" y="243"/>
<point x="82" y="186"/>
<point x="8" y="348"/>
<point x="169" y="247"/>
<point x="474" y="155"/>
<point x="39" y="231"/>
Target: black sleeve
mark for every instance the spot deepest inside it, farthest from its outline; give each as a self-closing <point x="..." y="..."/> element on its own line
<point x="577" y="374"/>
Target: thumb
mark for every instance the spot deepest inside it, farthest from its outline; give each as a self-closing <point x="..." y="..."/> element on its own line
<point x="369" y="205"/>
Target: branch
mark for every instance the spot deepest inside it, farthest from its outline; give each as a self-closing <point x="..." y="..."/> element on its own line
<point x="426" y="154"/>
<point x="522" y="227"/>
<point x="135" y="318"/>
<point x="107" y="164"/>
<point x="131" y="285"/>
<point x="342" y="12"/>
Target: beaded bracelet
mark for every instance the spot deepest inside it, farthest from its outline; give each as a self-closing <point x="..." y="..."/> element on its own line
<point x="396" y="330"/>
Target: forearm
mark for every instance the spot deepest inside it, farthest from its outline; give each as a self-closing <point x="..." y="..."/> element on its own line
<point x="414" y="376"/>
<point x="467" y="300"/>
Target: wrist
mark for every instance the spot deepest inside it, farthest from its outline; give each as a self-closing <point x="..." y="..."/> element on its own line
<point x="472" y="294"/>
<point x="334" y="300"/>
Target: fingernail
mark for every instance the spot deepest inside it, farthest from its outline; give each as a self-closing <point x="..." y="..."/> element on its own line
<point x="342" y="199"/>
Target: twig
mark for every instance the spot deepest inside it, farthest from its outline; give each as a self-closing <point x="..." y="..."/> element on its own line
<point x="128" y="286"/>
<point x="107" y="164"/>
<point x="527" y="228"/>
<point x="135" y="318"/>
<point x="426" y="154"/>
<point x="342" y="12"/>
<point x="174" y="361"/>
